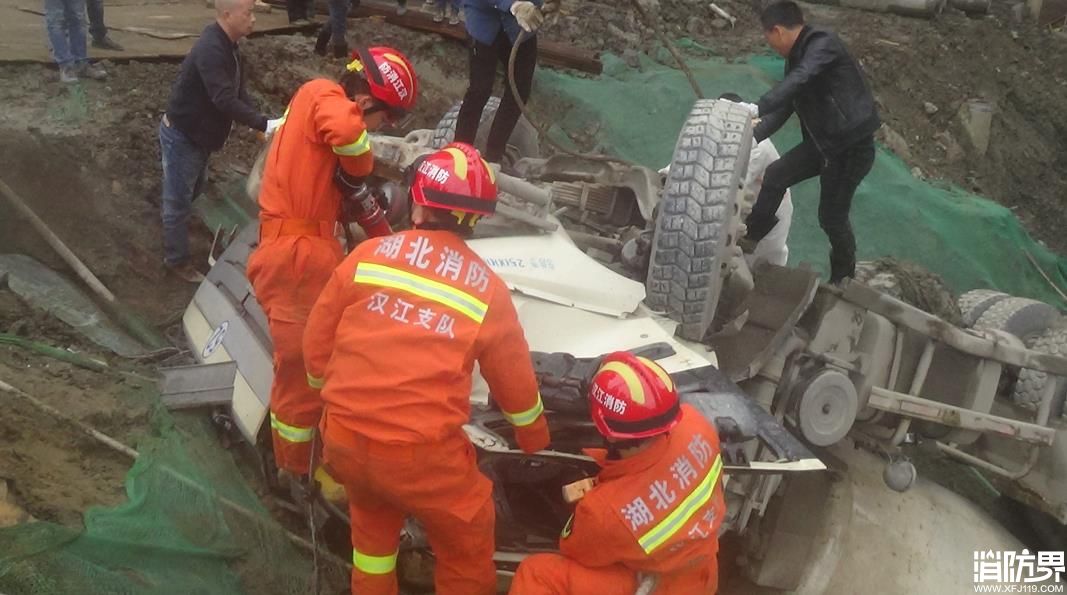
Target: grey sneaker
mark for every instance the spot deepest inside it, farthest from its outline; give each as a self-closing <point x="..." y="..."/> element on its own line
<point x="88" y="70"/>
<point x="401" y="10"/>
<point x="68" y="74"/>
<point x="106" y="43"/>
<point x="439" y="14"/>
<point x="453" y="18"/>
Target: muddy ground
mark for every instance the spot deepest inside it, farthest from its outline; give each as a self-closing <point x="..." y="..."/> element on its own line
<point x="87" y="161"/>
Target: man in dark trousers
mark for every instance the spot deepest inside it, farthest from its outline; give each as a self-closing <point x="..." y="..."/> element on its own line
<point x="207" y="98"/>
<point x="825" y="87"/>
<point x="494" y="26"/>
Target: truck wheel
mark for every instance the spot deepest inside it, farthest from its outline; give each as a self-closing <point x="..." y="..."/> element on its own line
<point x="1031" y="384"/>
<point x="522" y="143"/>
<point x="976" y="301"/>
<point x="699" y="215"/>
<point x="1022" y="317"/>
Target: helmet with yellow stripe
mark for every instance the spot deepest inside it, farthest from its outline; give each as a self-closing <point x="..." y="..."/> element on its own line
<point x="455" y="179"/>
<point x="632" y="397"/>
<point x="390" y="76"/>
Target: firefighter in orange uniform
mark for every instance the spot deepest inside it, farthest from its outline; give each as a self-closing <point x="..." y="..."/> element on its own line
<point x="657" y="504"/>
<point x="314" y="178"/>
<point x="394" y="338"/>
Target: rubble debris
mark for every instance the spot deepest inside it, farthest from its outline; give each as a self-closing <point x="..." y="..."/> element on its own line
<point x="930" y="108"/>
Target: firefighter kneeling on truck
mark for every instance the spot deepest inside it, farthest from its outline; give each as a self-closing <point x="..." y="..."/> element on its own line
<point x="657" y="503"/>
<point x="313" y="178"/>
<point x="393" y="340"/>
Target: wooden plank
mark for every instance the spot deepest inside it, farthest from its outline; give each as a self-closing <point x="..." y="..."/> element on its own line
<point x="549" y="53"/>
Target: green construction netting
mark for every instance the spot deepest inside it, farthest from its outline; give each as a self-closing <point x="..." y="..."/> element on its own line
<point x="180" y="530"/>
<point x="972" y="242"/>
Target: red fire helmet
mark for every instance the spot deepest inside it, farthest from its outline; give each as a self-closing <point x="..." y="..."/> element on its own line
<point x="392" y="80"/>
<point x="632" y="397"/>
<point x="455" y="178"/>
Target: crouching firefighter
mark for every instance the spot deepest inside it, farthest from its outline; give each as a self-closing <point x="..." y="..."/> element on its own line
<point x="313" y="177"/>
<point x="657" y="503"/>
<point x="393" y="340"/>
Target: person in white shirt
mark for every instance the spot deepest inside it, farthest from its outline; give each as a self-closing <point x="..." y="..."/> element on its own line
<point x="773" y="247"/>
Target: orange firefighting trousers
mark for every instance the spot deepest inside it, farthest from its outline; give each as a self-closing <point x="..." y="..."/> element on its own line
<point x="288" y="272"/>
<point x="553" y="574"/>
<point x="437" y="483"/>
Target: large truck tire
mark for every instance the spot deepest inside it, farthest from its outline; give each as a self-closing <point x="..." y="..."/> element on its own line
<point x="1031" y="384"/>
<point x="1022" y="317"/>
<point x="976" y="301"/>
<point x="699" y="215"/>
<point x="523" y="141"/>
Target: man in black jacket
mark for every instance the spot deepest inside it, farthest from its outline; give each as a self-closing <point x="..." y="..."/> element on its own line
<point x="208" y="96"/>
<point x="825" y="87"/>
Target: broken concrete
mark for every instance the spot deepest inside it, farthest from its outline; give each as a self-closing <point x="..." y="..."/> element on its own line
<point x="976" y="116"/>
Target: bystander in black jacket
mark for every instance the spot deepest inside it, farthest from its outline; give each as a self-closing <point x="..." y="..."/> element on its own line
<point x="823" y="84"/>
<point x="209" y="94"/>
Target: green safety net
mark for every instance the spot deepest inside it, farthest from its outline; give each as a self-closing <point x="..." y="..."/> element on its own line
<point x="970" y="241"/>
<point x="190" y="525"/>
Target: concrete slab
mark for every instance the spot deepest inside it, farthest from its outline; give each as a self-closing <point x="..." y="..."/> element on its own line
<point x="24" y="38"/>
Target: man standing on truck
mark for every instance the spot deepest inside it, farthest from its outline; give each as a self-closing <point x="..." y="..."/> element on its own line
<point x="494" y="27"/>
<point x="393" y="340"/>
<point x="313" y="178"/>
<point x="826" y="88"/>
<point x="656" y="505"/>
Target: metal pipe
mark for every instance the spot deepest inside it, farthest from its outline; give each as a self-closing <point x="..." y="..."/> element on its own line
<point x="587" y="239"/>
<point x="909" y="8"/>
<point x="1035" y="452"/>
<point x="505" y="210"/>
<point x="922" y="369"/>
<point x="522" y="189"/>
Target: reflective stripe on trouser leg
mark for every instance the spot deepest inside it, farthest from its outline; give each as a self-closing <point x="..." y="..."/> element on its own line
<point x="373" y="564"/>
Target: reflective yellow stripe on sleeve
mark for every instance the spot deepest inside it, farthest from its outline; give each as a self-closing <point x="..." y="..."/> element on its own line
<point x="290" y="433"/>
<point x="673" y="522"/>
<point x="525" y="418"/>
<point x="354" y="149"/>
<point x="315" y="381"/>
<point x="373" y="564"/>
<point x="370" y="273"/>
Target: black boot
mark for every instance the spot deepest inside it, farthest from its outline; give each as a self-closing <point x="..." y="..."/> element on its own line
<point x="322" y="40"/>
<point x="340" y="50"/>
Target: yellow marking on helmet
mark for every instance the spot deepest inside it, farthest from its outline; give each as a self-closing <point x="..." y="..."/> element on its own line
<point x="663" y="375"/>
<point x="461" y="162"/>
<point x="355" y="66"/>
<point x="629" y="376"/>
<point x="492" y="176"/>
<point x="400" y="62"/>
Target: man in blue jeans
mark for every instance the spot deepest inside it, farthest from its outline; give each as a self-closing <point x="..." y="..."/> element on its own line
<point x="97" y="28"/>
<point x="207" y="98"/>
<point x="65" y="21"/>
<point x="335" y="28"/>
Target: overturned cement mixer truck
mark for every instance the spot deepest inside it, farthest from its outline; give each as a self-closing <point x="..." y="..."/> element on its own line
<point x="822" y="394"/>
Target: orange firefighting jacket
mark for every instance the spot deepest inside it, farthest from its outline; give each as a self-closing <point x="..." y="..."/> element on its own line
<point x="658" y="511"/>
<point x="322" y="128"/>
<point x="394" y="336"/>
